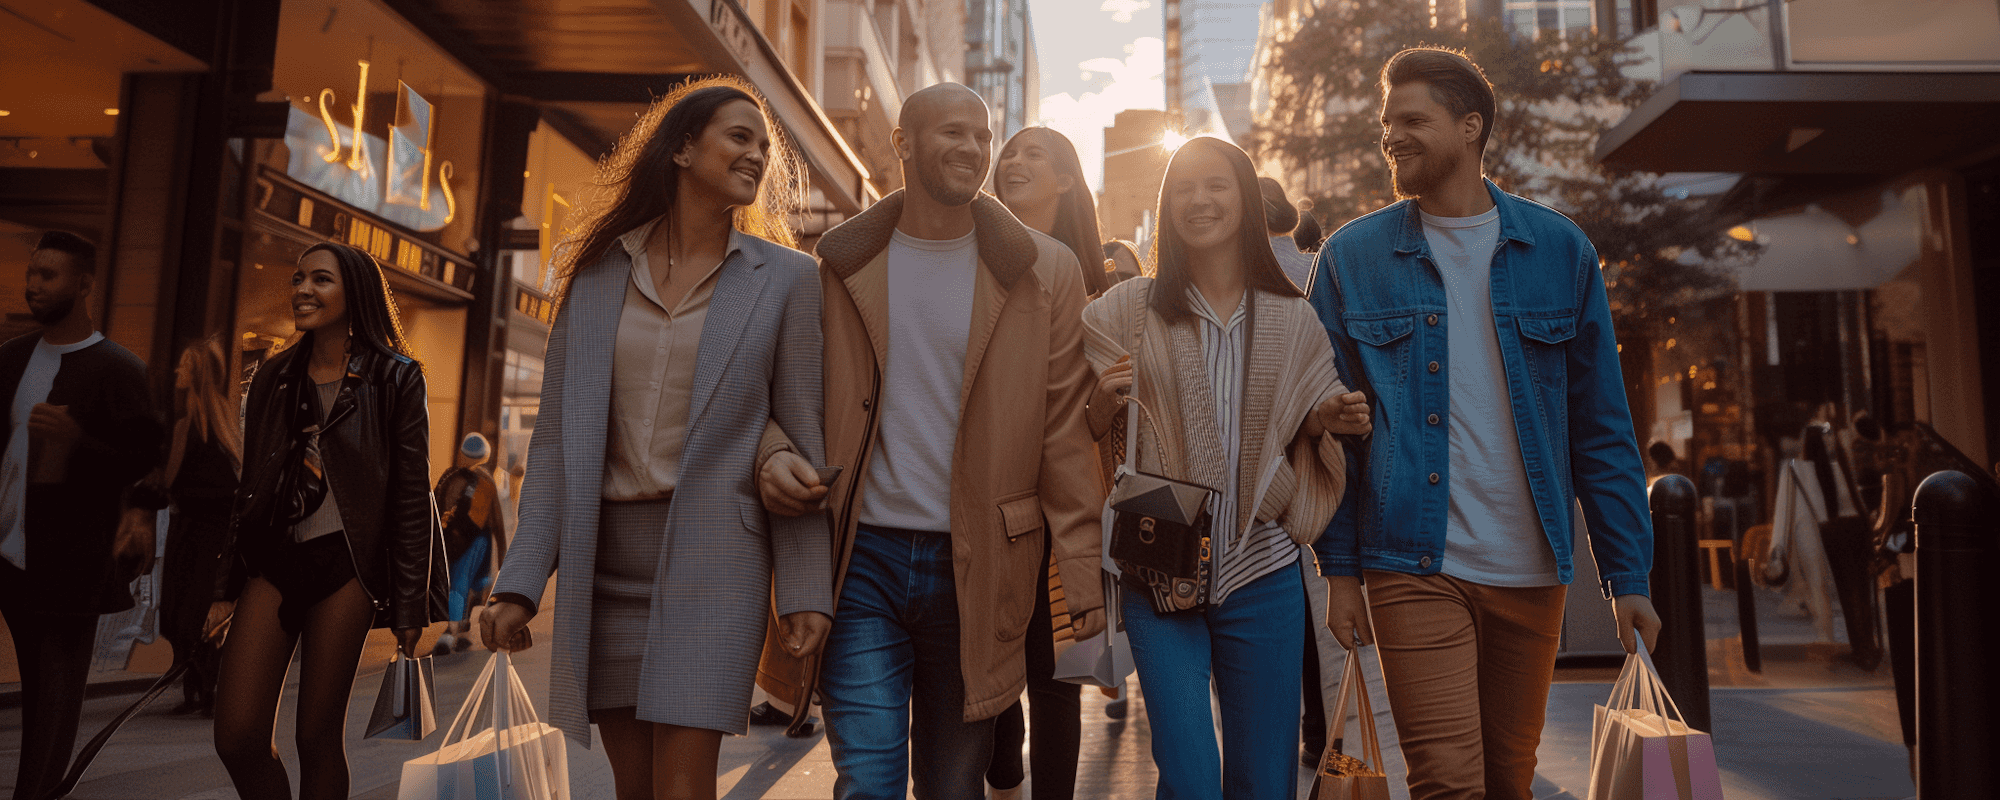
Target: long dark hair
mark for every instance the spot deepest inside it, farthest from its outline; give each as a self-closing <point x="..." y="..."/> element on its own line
<point x="372" y="320"/>
<point x="1260" y="265"/>
<point x="1076" y="210"/>
<point x="639" y="180"/>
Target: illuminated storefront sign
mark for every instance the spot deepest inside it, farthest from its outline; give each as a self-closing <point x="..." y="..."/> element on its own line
<point x="395" y="180"/>
<point x="283" y="201"/>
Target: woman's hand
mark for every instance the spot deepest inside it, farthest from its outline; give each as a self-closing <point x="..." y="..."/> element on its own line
<point x="219" y="613"/>
<point x="504" y="626"/>
<point x="1341" y="414"/>
<point x="1105" y="400"/>
<point x="789" y="485"/>
<point x="804" y="632"/>
<point x="406" y="639"/>
<point x="1347" y="612"/>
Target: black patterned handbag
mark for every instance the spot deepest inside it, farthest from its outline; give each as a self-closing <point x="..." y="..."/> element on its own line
<point x="1160" y="528"/>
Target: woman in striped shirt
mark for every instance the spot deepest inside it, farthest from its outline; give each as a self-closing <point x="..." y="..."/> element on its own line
<point x="1237" y="380"/>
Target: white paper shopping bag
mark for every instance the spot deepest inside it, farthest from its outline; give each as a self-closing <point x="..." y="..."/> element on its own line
<point x="515" y="757"/>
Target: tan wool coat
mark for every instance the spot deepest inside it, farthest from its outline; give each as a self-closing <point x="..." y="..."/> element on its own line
<point x="1024" y="465"/>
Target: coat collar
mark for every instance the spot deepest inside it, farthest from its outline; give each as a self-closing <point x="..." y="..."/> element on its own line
<point x="1005" y="245"/>
<point x="1512" y="227"/>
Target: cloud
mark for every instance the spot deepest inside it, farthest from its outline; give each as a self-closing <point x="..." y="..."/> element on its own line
<point x="1137" y="81"/>
<point x="1122" y="10"/>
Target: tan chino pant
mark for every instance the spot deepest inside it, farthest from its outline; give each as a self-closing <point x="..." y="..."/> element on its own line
<point x="1468" y="669"/>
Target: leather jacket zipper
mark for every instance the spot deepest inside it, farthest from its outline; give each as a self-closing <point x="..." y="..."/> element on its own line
<point x="339" y="413"/>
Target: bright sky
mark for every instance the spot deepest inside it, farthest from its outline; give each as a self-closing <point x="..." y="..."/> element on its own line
<point x="1096" y="61"/>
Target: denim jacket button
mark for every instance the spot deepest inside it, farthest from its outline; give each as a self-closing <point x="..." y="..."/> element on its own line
<point x="1424" y="563"/>
<point x="1433" y="419"/>
<point x="1431" y="320"/>
<point x="1433" y="366"/>
<point x="1434" y="478"/>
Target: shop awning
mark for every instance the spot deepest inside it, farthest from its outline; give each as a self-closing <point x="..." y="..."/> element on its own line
<point x="1808" y="123"/>
<point x="593" y="66"/>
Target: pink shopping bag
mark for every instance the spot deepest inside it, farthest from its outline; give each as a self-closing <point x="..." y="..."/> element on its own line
<point x="1642" y="749"/>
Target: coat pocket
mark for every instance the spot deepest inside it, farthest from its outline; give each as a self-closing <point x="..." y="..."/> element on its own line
<point x="1021" y="515"/>
<point x="1548" y="331"/>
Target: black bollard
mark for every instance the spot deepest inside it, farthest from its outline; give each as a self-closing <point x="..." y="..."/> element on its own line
<point x="1682" y="654"/>
<point x="1955" y="549"/>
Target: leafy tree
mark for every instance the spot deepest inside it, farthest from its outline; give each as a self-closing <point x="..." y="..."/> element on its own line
<point x="1556" y="95"/>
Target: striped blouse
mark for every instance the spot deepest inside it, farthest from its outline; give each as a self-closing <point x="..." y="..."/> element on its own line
<point x="1266" y="548"/>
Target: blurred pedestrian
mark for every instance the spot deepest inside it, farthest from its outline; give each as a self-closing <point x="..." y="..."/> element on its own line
<point x="1237" y="384"/>
<point x="1042" y="182"/>
<point x="204" y="459"/>
<point x="332" y="532"/>
<point x="1124" y="257"/>
<point x="1280" y="218"/>
<point x="955" y="383"/>
<point x="1307" y="236"/>
<point x="1480" y="320"/>
<point x="472" y="512"/>
<point x="684" y="322"/>
<point x="76" y="526"/>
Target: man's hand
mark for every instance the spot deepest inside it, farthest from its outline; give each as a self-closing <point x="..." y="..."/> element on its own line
<point x="789" y="485"/>
<point x="1635" y="612"/>
<point x="54" y="425"/>
<point x="406" y="640"/>
<point x="1112" y="383"/>
<point x="219" y="613"/>
<point x="504" y="626"/>
<point x="1342" y="414"/>
<point x="804" y="632"/>
<point x="1347" y="612"/>
<point x="1089" y="623"/>
<point x="132" y="549"/>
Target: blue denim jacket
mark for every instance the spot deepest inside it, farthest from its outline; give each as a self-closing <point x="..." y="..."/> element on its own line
<point x="1562" y="376"/>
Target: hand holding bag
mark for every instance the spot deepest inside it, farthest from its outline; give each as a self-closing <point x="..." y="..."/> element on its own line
<point x="1341" y="776"/>
<point x="516" y="757"/>
<point x="1639" y="752"/>
<point x="1102" y="660"/>
<point x="406" y="708"/>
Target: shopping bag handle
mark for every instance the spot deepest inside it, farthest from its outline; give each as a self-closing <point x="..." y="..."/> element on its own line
<point x="1354" y="683"/>
<point x="475" y="699"/>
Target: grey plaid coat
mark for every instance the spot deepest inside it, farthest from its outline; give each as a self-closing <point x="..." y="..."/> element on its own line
<point x="759" y="359"/>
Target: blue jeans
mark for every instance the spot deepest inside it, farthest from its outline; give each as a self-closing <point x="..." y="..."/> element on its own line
<point x="1251" y="646"/>
<point x="470" y="575"/>
<point x="894" y="695"/>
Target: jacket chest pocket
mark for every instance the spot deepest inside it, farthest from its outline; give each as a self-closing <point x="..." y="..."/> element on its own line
<point x="1384" y="347"/>
<point x="1545" y="345"/>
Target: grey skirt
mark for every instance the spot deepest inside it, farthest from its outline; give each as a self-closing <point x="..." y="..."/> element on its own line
<point x="678" y="618"/>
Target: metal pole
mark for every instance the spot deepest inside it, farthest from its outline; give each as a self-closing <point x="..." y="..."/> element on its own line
<point x="1682" y="655"/>
<point x="1955" y="528"/>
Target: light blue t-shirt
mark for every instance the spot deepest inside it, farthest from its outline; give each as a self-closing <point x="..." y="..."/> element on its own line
<point x="1492" y="534"/>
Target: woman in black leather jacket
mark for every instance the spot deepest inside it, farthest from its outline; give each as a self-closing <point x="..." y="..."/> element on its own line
<point x="333" y="532"/>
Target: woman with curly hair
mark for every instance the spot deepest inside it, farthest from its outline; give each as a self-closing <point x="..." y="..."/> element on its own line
<point x="332" y="531"/>
<point x="684" y="322"/>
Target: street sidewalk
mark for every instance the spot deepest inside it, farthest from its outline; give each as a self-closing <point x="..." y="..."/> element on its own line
<point x="1811" y="727"/>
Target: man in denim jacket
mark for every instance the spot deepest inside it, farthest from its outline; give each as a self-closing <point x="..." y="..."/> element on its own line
<point x="1479" y="320"/>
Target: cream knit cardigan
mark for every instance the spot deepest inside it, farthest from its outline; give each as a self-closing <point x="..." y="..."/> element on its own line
<point x="1282" y="474"/>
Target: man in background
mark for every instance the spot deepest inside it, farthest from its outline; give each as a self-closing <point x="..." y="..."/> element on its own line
<point x="75" y="527"/>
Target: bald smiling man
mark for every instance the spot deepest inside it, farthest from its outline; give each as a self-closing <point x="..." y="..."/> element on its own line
<point x="955" y="385"/>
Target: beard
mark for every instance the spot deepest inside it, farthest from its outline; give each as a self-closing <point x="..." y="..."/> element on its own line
<point x="931" y="176"/>
<point x="1426" y="177"/>
<point x="52" y="311"/>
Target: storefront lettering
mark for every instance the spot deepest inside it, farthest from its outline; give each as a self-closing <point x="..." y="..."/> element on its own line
<point x="346" y="162"/>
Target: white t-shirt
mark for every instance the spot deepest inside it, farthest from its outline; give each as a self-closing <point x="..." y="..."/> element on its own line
<point x="36" y="381"/>
<point x="930" y="319"/>
<point x="1492" y="534"/>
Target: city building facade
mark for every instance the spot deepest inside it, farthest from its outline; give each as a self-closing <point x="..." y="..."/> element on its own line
<point x="1000" y="62"/>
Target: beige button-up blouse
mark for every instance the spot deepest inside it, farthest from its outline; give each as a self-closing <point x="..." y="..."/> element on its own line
<point x="652" y="377"/>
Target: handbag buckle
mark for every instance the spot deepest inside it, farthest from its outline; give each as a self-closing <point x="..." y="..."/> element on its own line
<point x="1146" y="533"/>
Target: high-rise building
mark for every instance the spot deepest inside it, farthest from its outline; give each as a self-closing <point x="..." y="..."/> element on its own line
<point x="1216" y="54"/>
<point x="1135" y="158"/>
<point x="1000" y="62"/>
